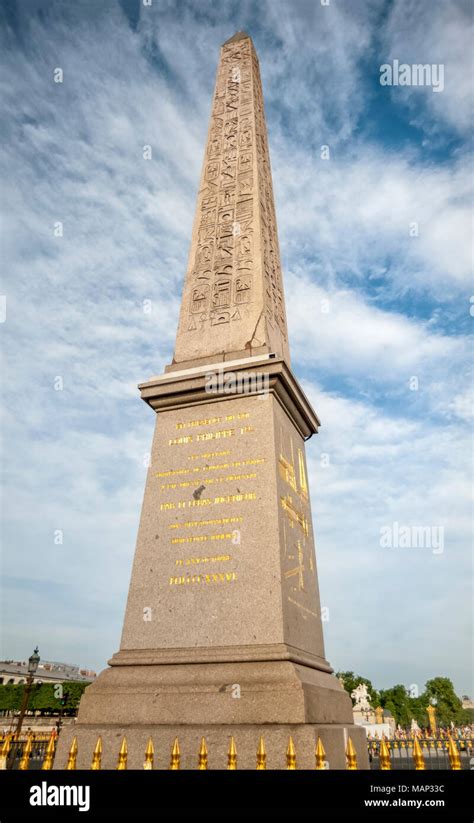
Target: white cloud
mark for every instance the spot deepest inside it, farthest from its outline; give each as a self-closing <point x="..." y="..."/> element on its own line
<point x="385" y="469"/>
<point x="434" y="33"/>
<point x="339" y="333"/>
<point x="74" y="459"/>
<point x="356" y="215"/>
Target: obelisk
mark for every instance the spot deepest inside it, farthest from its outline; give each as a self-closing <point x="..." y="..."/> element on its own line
<point x="222" y="633"/>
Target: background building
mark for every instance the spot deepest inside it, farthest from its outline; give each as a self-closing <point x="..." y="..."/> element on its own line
<point x="14" y="672"/>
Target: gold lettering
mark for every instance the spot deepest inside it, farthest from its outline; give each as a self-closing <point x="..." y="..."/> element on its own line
<point x="228" y="577"/>
<point x="235" y="498"/>
<point x="234" y="464"/>
<point x="208" y="454"/>
<point x="208" y="481"/>
<point x="195" y="539"/>
<point x="179" y="441"/>
<point x="240" y="416"/>
<point x="205" y="421"/>
<point x="201" y="538"/>
<point x="218" y="521"/>
<point x="223" y="433"/>
<point x="194" y="561"/>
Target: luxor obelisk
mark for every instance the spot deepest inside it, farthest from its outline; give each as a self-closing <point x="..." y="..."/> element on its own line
<point x="222" y="633"/>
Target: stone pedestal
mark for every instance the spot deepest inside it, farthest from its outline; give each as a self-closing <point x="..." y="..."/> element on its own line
<point x="273" y="699"/>
<point x="222" y="633"/>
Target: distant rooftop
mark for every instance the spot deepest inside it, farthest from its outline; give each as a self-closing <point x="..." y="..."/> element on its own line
<point x="48" y="669"/>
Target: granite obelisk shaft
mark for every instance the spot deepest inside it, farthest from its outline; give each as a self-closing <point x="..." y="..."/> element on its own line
<point x="233" y="303"/>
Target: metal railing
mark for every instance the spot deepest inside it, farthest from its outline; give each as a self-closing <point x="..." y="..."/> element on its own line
<point x="37" y="751"/>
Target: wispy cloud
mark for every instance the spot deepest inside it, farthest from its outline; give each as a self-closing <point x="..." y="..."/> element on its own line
<point x="435" y="33"/>
<point x="371" y="303"/>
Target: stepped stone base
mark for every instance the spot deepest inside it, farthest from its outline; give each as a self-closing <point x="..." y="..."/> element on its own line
<point x="274" y="699"/>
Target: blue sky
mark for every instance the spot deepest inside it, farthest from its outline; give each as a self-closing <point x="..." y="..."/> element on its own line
<point x="399" y="305"/>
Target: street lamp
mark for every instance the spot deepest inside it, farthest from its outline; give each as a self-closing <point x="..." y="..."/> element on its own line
<point x="33" y="662"/>
<point x="63" y="701"/>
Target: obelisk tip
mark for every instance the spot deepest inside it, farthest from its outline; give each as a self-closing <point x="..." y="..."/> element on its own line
<point x="239" y="35"/>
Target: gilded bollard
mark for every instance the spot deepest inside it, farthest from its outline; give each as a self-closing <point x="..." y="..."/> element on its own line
<point x="351" y="755"/>
<point x="320" y="755"/>
<point x="291" y="755"/>
<point x="418" y="756"/>
<point x="122" y="758"/>
<point x="149" y="755"/>
<point x="49" y="756"/>
<point x="202" y="759"/>
<point x="25" y="760"/>
<point x="453" y="753"/>
<point x="232" y="755"/>
<point x="71" y="764"/>
<point x="261" y="756"/>
<point x="175" y="756"/>
<point x="5" y="751"/>
<point x="384" y="756"/>
<point x="97" y="756"/>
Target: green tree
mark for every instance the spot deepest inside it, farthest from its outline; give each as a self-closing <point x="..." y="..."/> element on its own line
<point x="396" y="700"/>
<point x="44" y="697"/>
<point x="74" y="691"/>
<point x="417" y="711"/>
<point x="448" y="704"/>
<point x="11" y="698"/>
<point x="405" y="708"/>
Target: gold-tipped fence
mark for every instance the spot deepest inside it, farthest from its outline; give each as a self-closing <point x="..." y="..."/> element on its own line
<point x="387" y="751"/>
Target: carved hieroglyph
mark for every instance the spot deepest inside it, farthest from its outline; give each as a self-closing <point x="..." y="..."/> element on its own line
<point x="233" y="302"/>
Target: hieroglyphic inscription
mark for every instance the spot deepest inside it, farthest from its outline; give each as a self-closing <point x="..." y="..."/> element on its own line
<point x="303" y="608"/>
<point x="274" y="300"/>
<point x="223" y="266"/>
<point x="299" y="569"/>
<point x="302" y="476"/>
<point x="221" y="269"/>
<point x="234" y="277"/>
<point x="296" y="526"/>
<point x="294" y="514"/>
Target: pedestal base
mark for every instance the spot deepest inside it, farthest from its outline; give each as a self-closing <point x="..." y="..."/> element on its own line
<point x="273" y="699"/>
